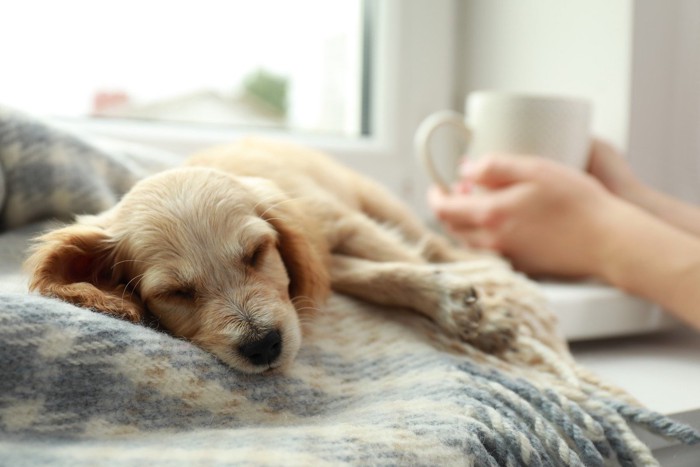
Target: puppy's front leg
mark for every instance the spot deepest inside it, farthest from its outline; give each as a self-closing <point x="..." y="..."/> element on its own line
<point x="444" y="295"/>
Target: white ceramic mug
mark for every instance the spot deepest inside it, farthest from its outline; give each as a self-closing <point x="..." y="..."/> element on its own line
<point x="496" y="122"/>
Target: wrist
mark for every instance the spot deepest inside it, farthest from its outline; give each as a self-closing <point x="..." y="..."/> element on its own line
<point x="654" y="260"/>
<point x="637" y="193"/>
<point x="629" y="239"/>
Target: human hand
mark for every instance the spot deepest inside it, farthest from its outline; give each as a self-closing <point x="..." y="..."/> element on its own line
<point x="545" y="217"/>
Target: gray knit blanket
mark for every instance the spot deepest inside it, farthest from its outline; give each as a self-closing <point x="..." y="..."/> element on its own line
<point x="371" y="386"/>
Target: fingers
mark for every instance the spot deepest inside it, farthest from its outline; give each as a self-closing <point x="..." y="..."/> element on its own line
<point x="474" y="220"/>
<point x="481" y="207"/>
<point x="459" y="211"/>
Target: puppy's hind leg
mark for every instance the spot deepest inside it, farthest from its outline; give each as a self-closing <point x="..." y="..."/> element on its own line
<point x="354" y="234"/>
<point x="382" y="206"/>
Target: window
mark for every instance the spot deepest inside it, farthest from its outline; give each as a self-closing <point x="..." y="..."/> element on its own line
<point x="393" y="65"/>
<point x="260" y="64"/>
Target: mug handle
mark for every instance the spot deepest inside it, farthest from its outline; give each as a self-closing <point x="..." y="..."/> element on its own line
<point x="425" y="133"/>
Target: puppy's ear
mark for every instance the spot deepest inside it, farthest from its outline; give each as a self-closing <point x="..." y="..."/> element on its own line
<point x="304" y="252"/>
<point x="77" y="264"/>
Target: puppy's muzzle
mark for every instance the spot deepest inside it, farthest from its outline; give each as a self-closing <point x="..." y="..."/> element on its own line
<point x="264" y="351"/>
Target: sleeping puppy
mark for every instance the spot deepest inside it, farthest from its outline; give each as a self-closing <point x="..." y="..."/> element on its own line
<point x="231" y="250"/>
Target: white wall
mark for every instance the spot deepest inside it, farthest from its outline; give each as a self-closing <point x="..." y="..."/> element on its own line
<point x="664" y="140"/>
<point x="549" y="46"/>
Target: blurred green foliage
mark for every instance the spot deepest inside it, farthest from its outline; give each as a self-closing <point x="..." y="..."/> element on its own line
<point x="269" y="89"/>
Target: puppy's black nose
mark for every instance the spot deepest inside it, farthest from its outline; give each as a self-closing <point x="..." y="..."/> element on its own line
<point x="263" y="351"/>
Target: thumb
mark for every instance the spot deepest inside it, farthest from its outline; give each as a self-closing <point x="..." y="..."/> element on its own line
<point x="499" y="170"/>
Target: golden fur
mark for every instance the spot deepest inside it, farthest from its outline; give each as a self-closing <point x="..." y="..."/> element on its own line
<point x="231" y="250"/>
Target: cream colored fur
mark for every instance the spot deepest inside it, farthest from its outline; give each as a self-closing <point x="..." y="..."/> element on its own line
<point x="249" y="239"/>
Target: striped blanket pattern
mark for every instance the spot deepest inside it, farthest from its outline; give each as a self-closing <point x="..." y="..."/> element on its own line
<point x="371" y="386"/>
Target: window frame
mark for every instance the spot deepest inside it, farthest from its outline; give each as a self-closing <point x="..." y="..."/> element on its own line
<point x="412" y="68"/>
<point x="415" y="68"/>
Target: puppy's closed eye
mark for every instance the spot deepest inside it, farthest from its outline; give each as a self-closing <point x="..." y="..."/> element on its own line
<point x="186" y="293"/>
<point x="255" y="256"/>
<point x="178" y="293"/>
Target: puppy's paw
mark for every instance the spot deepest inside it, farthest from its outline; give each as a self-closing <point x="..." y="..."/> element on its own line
<point x="460" y="312"/>
<point x="467" y="312"/>
<point x="497" y="330"/>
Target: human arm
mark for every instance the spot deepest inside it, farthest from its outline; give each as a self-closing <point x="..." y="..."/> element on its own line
<point x="656" y="261"/>
<point x="610" y="168"/>
<point x="551" y="220"/>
